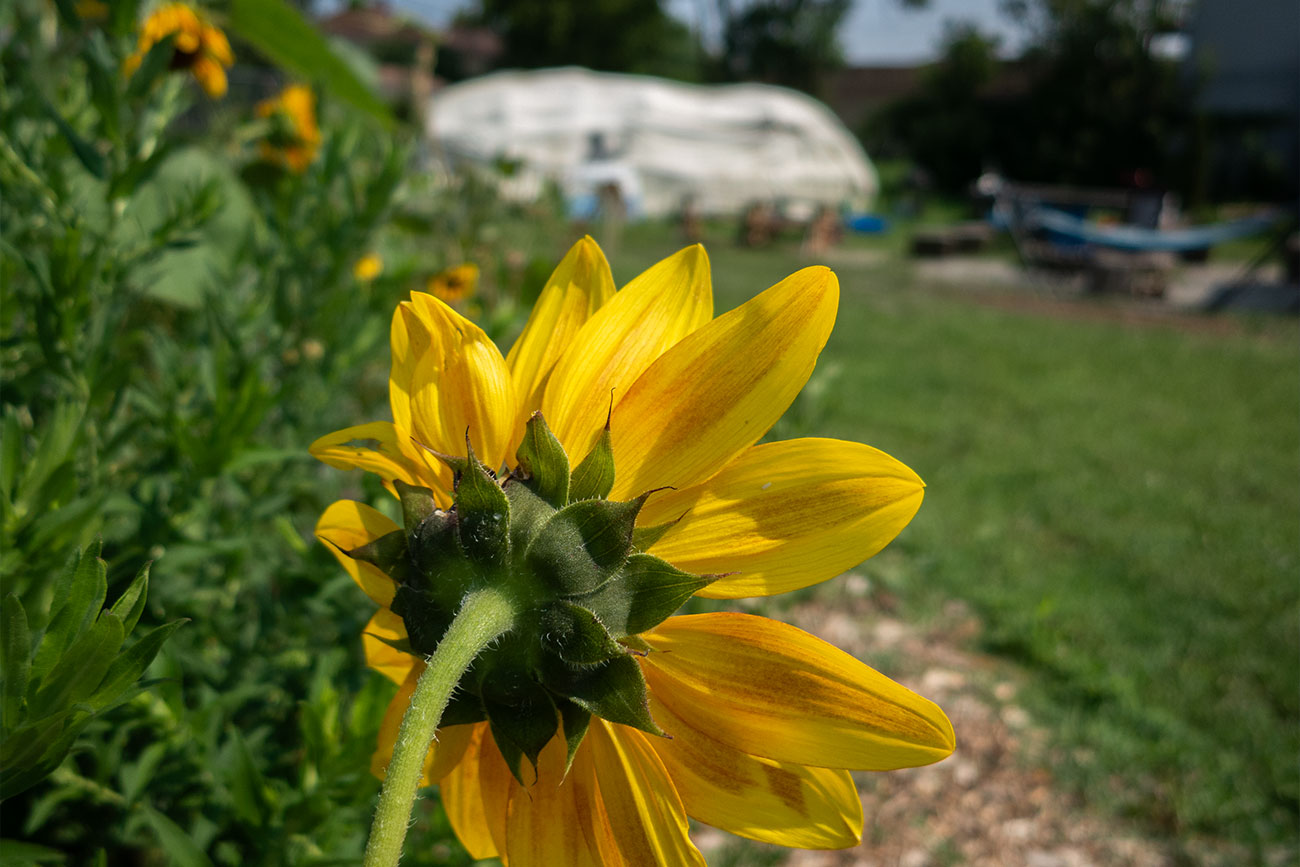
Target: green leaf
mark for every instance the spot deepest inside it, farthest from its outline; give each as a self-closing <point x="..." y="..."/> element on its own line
<point x="128" y="667"/>
<point x="646" y="592"/>
<point x="584" y="544"/>
<point x="31" y="754"/>
<point x="594" y="477"/>
<point x="155" y="63"/>
<point x="81" y="670"/>
<point x="483" y="515"/>
<point x="78" y="597"/>
<point x="17" y="853"/>
<point x="16" y="664"/>
<point x="11" y="453"/>
<point x="280" y="32"/>
<point x="544" y="465"/>
<point x="90" y="158"/>
<point x="130" y="604"/>
<point x="614" y="691"/>
<point x="181" y="849"/>
<point x="244" y="782"/>
<point x="576" y="635"/>
<point x="426" y="620"/>
<point x="417" y="504"/>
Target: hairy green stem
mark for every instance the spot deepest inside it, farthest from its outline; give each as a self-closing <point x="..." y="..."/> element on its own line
<point x="484" y="616"/>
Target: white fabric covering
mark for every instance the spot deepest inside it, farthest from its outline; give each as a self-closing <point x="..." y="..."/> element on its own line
<point x="660" y="141"/>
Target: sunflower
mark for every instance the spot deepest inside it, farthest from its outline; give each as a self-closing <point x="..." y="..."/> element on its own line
<point x="199" y="47"/>
<point x="454" y="284"/>
<point x="294" y="137"/>
<point x="599" y="724"/>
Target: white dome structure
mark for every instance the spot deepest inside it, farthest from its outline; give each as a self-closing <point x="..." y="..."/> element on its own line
<point x="659" y="142"/>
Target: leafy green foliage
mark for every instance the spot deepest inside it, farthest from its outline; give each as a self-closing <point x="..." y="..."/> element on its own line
<point x="75" y="671"/>
<point x="178" y="325"/>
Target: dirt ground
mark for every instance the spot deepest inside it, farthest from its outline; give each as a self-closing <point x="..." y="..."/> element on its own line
<point x="993" y="803"/>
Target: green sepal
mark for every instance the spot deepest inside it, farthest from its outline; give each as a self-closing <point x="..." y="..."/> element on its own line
<point x="614" y="690"/>
<point x="417" y="504"/>
<point x="594" y="477"/>
<point x="425" y="619"/>
<point x="544" y="465"/>
<point x="574" y="721"/>
<point x="464" y="708"/>
<point x="576" y="635"/>
<point x="528" y="513"/>
<point x="388" y="552"/>
<point x="646" y="592"/>
<point x="522" y="730"/>
<point x="438" y="563"/>
<point x="15" y="665"/>
<point x="130" y="605"/>
<point x="483" y="514"/>
<point x="584" y="544"/>
<point x="644" y="537"/>
<point x="636" y="644"/>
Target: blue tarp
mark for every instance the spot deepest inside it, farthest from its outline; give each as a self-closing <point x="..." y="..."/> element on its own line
<point x="1074" y="229"/>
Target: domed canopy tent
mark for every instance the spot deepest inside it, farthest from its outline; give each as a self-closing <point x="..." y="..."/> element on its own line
<point x="660" y="143"/>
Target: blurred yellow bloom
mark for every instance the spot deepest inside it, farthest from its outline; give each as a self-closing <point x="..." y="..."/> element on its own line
<point x="368" y="267"/>
<point x="764" y="721"/>
<point x="199" y="47"/>
<point x="294" y="137"/>
<point x="454" y="284"/>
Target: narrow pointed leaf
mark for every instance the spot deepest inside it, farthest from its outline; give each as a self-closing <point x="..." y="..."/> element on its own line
<point x="16" y="664"/>
<point x="130" y="604"/>
<point x="544" y="463"/>
<point x="81" y="669"/>
<point x="594" y="477"/>
<point x="386" y="552"/>
<point x="79" y="596"/>
<point x="128" y="667"/>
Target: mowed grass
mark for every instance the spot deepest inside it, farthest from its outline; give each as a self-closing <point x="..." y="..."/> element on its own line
<point x="1118" y="501"/>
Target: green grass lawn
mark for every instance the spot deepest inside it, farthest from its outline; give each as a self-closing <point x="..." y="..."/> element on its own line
<point x="1120" y="503"/>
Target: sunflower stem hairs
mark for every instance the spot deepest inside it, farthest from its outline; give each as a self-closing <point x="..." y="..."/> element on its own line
<point x="558" y="506"/>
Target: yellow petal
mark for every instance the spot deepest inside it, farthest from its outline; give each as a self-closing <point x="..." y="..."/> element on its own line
<point x="622" y="339"/>
<point x="409" y="340"/>
<point x="771" y="690"/>
<point x="460" y="384"/>
<point x="580" y="285"/>
<point x="786" y="515"/>
<point x="444" y="753"/>
<point x="717" y="391"/>
<point x="210" y="75"/>
<point x="496" y="785"/>
<point x="347" y="525"/>
<point x="784" y="804"/>
<point x="552" y="821"/>
<point x="384" y="658"/>
<point x="645" y="814"/>
<point x="381" y="448"/>
<point x="462" y="798"/>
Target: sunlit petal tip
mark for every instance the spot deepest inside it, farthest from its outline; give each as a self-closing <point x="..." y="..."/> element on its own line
<point x="347" y="525"/>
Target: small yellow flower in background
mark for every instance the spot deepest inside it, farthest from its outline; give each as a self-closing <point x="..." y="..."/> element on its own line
<point x="368" y="267"/>
<point x="552" y="752"/>
<point x="199" y="47"/>
<point x="294" y="137"/>
<point x="454" y="284"/>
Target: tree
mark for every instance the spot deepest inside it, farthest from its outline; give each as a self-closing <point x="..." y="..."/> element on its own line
<point x="789" y="42"/>
<point x="635" y="36"/>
